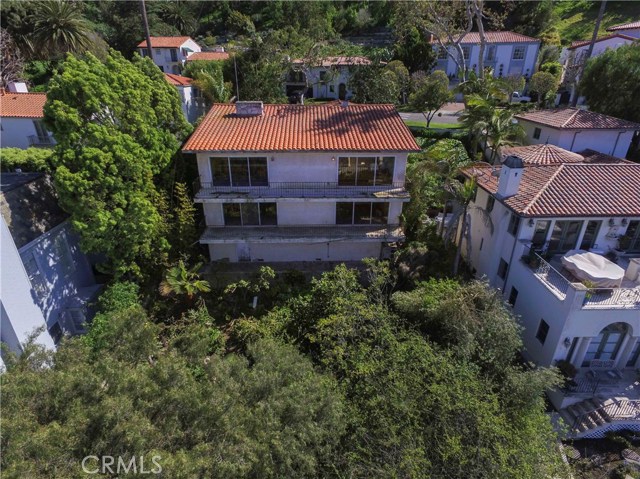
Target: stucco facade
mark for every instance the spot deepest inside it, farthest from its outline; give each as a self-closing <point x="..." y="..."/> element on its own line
<point x="172" y="59"/>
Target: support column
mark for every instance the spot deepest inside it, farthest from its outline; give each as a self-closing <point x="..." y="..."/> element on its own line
<point x="581" y="351"/>
<point x="625" y="351"/>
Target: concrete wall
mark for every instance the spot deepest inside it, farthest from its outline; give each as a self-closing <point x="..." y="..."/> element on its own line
<point x="610" y="142"/>
<point x="15" y="132"/>
<point x="321" y="251"/>
<point x="20" y="314"/>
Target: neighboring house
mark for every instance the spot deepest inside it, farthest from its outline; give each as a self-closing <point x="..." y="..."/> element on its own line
<point x="46" y="280"/>
<point x="540" y="209"/>
<point x="329" y="78"/>
<point x="193" y="104"/>
<point x="632" y="29"/>
<point x="215" y="56"/>
<point x="573" y="58"/>
<point x="169" y="53"/>
<point x="575" y="129"/>
<point x="21" y="115"/>
<point x="301" y="183"/>
<point x="507" y="53"/>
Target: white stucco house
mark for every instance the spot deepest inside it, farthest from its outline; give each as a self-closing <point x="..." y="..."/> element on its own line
<point x="632" y="29"/>
<point x="575" y="129"/>
<point x="544" y="204"/>
<point x="507" y="53"/>
<point x="301" y="183"/>
<point x="573" y="57"/>
<point x="47" y="282"/>
<point x="169" y="53"/>
<point x="191" y="100"/>
<point x="21" y="115"/>
<point x="327" y="78"/>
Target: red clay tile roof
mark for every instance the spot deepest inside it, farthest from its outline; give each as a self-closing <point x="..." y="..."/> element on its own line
<point x="577" y="119"/>
<point x="542" y="154"/>
<point x="625" y="26"/>
<point x="178" y="80"/>
<point x="22" y="105"/>
<point x="328" y="127"/>
<point x="208" y="56"/>
<point x="570" y="189"/>
<point x="496" y="37"/>
<point x="592" y="156"/>
<point x="164" y="42"/>
<point x="582" y="43"/>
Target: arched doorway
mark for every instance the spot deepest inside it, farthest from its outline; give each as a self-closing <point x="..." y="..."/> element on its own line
<point x="606" y="346"/>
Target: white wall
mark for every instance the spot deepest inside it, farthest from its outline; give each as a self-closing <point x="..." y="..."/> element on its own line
<point x="335" y="75"/>
<point x="20" y="312"/>
<point x="162" y="56"/>
<point x="310" y="251"/>
<point x="15" y="132"/>
<point x="307" y="213"/>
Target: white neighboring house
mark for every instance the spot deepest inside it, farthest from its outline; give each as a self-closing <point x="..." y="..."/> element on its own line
<point x="301" y="183"/>
<point x="169" y="53"/>
<point x="541" y="207"/>
<point x="507" y="53"/>
<point x="632" y="29"/>
<point x="575" y="129"/>
<point x="328" y="79"/>
<point x="193" y="104"/>
<point x="21" y="117"/>
<point x="573" y="57"/>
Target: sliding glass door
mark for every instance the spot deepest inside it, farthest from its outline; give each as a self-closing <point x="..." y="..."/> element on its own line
<point x="564" y="236"/>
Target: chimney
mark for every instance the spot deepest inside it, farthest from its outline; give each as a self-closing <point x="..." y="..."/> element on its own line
<point x="17" y="87"/>
<point x="510" y="176"/>
<point x="249" y="108"/>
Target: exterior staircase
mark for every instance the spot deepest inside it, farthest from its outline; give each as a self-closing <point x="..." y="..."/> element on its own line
<point x="593" y="418"/>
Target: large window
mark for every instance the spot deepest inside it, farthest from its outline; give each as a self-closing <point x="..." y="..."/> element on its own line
<point x="239" y="171"/>
<point x="250" y="214"/>
<point x="540" y="233"/>
<point x="536" y="133"/>
<point x="518" y="53"/>
<point x="174" y="55"/>
<point x="514" y="223"/>
<point x="633" y="233"/>
<point x="38" y="282"/>
<point x="543" y="331"/>
<point x="361" y="213"/>
<point x="491" y="53"/>
<point x="502" y="269"/>
<point x="564" y="236"/>
<point x="365" y="171"/>
<point x="590" y="234"/>
<point x="442" y="53"/>
<point x="606" y="345"/>
<point x="466" y="51"/>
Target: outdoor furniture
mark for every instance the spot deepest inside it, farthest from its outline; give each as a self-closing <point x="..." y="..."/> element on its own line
<point x="593" y="268"/>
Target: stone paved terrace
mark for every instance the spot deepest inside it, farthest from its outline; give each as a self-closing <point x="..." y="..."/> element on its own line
<point x="301" y="234"/>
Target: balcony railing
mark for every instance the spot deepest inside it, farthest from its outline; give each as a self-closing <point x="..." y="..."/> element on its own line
<point x="612" y="298"/>
<point x="41" y="140"/>
<point x="547" y="273"/>
<point x="301" y="190"/>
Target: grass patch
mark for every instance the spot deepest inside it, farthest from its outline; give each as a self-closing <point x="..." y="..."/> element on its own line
<point x="433" y="125"/>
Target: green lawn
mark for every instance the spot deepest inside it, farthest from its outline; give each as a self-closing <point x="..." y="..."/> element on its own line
<point x="576" y="18"/>
<point x="433" y="125"/>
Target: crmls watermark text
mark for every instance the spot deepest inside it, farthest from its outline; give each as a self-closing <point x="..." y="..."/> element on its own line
<point x="121" y="465"/>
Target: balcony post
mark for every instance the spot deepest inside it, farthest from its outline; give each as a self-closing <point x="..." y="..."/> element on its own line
<point x="576" y="294"/>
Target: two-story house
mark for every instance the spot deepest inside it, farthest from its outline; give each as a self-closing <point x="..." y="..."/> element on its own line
<point x="563" y="246"/>
<point x="191" y="100"/>
<point x="46" y="279"/>
<point x="327" y="78"/>
<point x="301" y="183"/>
<point x="507" y="53"/>
<point x="169" y="53"/>
<point x="21" y="115"/>
<point x="575" y="129"/>
<point x="631" y="29"/>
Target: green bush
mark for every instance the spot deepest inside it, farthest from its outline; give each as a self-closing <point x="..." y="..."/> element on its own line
<point x="29" y="160"/>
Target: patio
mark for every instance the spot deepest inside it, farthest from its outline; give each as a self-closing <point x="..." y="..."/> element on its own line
<point x="606" y="384"/>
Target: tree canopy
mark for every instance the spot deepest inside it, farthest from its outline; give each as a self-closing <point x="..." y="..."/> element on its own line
<point x="117" y="125"/>
<point x="430" y="93"/>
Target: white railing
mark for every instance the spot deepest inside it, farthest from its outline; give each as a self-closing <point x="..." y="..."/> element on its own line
<point x="625" y="298"/>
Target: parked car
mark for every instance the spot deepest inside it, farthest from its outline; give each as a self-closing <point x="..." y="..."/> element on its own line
<point x="518" y="98"/>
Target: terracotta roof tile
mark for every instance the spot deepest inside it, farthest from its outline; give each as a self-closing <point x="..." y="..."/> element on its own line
<point x="570" y="189"/>
<point x="575" y="118"/>
<point x="625" y="26"/>
<point x="178" y="80"/>
<point x="582" y="43"/>
<point x="592" y="156"/>
<point x="208" y="56"/>
<point x="164" y="42"/>
<point x="542" y="154"/>
<point x="22" y="105"/>
<point x="328" y="127"/>
<point x="497" y="37"/>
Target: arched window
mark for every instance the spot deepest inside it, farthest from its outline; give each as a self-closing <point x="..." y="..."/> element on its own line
<point x="607" y="344"/>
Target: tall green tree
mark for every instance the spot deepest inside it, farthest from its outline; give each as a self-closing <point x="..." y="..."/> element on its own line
<point x="117" y="125"/>
<point x="617" y="67"/>
<point x="430" y="94"/>
<point x="544" y="84"/>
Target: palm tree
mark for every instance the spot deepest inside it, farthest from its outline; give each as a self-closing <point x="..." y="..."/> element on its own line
<point x="182" y="281"/>
<point x="503" y="130"/>
<point x="59" y="28"/>
<point x="475" y="117"/>
<point x="180" y="15"/>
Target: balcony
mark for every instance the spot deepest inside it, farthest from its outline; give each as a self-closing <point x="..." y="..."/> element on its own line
<point x="562" y="284"/>
<point x="301" y="234"/>
<point x="210" y="192"/>
<point x="41" y="141"/>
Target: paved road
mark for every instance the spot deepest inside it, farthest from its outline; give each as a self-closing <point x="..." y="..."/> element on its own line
<point x="449" y="114"/>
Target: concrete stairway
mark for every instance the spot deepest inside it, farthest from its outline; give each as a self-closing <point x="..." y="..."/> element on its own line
<point x="593" y="417"/>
